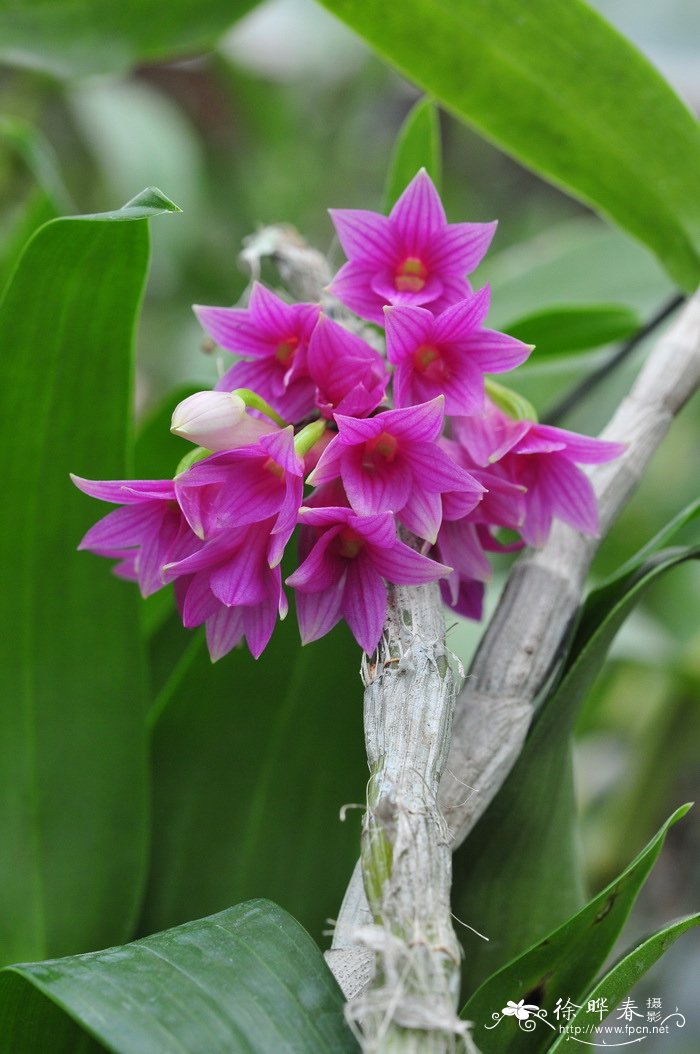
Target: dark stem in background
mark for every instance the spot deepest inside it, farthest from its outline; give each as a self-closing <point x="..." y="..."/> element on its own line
<point x="560" y="410"/>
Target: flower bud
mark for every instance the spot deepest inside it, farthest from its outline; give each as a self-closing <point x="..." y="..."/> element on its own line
<point x="217" y="421"/>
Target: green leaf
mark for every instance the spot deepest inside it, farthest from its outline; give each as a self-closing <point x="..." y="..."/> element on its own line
<point x="564" y="963"/>
<point x="110" y="37"/>
<point x="557" y="87"/>
<point x="505" y="883"/>
<point x="252" y="762"/>
<point x="37" y="210"/>
<point x="39" y="156"/>
<point x="73" y="817"/>
<point x="247" y="980"/>
<point x="566" y="328"/>
<point x="624" y="975"/>
<point x="417" y="146"/>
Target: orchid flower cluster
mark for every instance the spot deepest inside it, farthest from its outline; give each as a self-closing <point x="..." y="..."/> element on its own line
<point x="410" y="467"/>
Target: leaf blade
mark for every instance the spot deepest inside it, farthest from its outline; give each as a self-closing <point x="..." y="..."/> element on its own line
<point x="73" y="678"/>
<point x="417" y="146"/>
<point x="563" y="92"/>
<point x="248" y="979"/>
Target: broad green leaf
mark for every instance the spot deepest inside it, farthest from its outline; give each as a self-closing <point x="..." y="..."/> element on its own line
<point x="417" y="146"/>
<point x="73" y="817"/>
<point x="504" y="881"/>
<point x="564" y="963"/>
<point x="561" y="90"/>
<point x="252" y="762"/>
<point x="110" y="37"/>
<point x="246" y="981"/>
<point x="624" y="975"/>
<point x="566" y="328"/>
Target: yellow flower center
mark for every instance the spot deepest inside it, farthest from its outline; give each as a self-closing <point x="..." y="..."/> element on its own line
<point x="349" y="543"/>
<point x="382" y="448"/>
<point x="286" y="349"/>
<point x="410" y="275"/>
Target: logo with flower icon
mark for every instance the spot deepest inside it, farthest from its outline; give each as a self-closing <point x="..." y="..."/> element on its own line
<point x="521" y="1010"/>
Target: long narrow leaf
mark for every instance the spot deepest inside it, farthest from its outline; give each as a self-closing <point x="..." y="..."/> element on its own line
<point x="73" y="818"/>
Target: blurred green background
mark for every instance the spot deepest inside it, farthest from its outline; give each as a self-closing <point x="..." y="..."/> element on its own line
<point x="291" y="115"/>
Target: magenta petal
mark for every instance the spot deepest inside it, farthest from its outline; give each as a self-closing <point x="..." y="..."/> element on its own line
<point x="406" y="329"/>
<point x="328" y="467"/>
<point x="464" y="388"/>
<point x="242" y="578"/>
<point x="418" y="215"/>
<point x="233" y="329"/>
<point x="224" y="631"/>
<point x="454" y="289"/>
<point x="489" y="437"/>
<point x="324" y="515"/>
<point x="318" y="613"/>
<point x="123" y="528"/>
<point x="264" y="376"/>
<point x="199" y="602"/>
<point x="126" y="491"/>
<point x="320" y="570"/>
<point x="365" y="236"/>
<point x="460" y="247"/>
<point x="384" y="489"/>
<point x="458" y="322"/>
<point x="280" y="447"/>
<point x="364" y="603"/>
<point x="460" y="546"/>
<point x="496" y="352"/>
<point x="468" y="601"/>
<point x="404" y="566"/>
<point x="155" y="551"/>
<point x="353" y="287"/>
<point x="435" y="470"/>
<point x="259" y="620"/>
<point x="581" y="448"/>
<point x="570" y="492"/>
<point x="418" y="424"/>
<point x="422" y="513"/>
<point x="537" y="524"/>
<point x="379" y="530"/>
<point x="273" y="316"/>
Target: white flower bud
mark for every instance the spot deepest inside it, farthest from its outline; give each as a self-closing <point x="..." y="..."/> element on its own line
<point x="217" y="421"/>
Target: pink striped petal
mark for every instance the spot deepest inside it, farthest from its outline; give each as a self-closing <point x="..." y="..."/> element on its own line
<point x="233" y="329"/>
<point x="460" y="247"/>
<point x="126" y="491"/>
<point x="353" y="287"/>
<point x="459" y="321"/>
<point x="405" y="566"/>
<point x="383" y="489"/>
<point x="569" y="492"/>
<point x="224" y="631"/>
<point x="584" y="449"/>
<point x="418" y="215"/>
<point x="406" y="329"/>
<point x="422" y="513"/>
<point x="364" y="603"/>
<point x="318" y="613"/>
<point x="365" y="236"/>
<point x="497" y="352"/>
